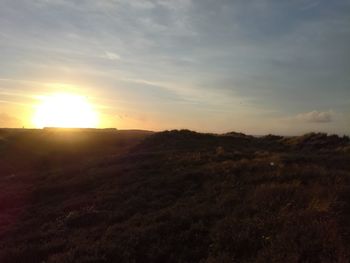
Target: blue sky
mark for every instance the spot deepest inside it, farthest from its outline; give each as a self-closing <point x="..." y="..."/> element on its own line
<point x="253" y="66"/>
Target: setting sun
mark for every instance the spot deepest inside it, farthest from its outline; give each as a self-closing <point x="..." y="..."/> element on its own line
<point x="66" y="111"/>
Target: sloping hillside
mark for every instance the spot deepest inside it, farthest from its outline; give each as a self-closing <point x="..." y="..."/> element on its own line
<point x="175" y="196"/>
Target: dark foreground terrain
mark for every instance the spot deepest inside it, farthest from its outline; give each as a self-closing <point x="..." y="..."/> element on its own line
<point x="180" y="196"/>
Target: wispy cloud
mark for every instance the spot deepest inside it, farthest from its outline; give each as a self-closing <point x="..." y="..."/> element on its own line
<point x="239" y="58"/>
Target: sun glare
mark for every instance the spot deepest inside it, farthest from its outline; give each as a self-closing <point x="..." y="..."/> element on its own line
<point x="65" y="111"/>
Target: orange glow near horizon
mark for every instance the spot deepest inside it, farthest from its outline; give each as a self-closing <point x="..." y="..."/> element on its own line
<point x="65" y="110"/>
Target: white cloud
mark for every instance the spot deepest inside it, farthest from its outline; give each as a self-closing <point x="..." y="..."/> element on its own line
<point x="141" y="4"/>
<point x="112" y="56"/>
<point x="316" y="116"/>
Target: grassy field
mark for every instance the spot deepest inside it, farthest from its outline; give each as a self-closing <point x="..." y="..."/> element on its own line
<point x="176" y="196"/>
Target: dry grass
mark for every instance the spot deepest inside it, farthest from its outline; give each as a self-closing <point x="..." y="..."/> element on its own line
<point x="175" y="196"/>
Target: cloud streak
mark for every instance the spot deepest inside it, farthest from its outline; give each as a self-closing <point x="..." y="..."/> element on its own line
<point x="251" y="61"/>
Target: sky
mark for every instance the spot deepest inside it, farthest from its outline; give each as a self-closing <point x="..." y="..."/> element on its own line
<point x="252" y="66"/>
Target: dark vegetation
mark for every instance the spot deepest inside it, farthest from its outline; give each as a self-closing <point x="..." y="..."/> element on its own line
<point x="178" y="196"/>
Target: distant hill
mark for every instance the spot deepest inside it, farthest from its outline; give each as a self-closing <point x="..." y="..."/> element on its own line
<point x="173" y="196"/>
<point x="318" y="141"/>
